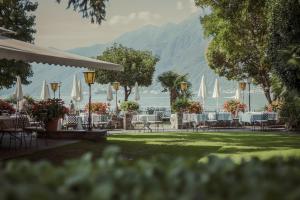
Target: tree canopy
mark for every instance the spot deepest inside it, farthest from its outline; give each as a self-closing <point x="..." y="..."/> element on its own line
<point x="16" y="15"/>
<point x="139" y="66"/>
<point x="284" y="46"/>
<point x="93" y="9"/>
<point x="238" y="29"/>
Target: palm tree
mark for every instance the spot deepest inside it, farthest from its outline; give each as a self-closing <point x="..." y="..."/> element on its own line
<point x="170" y="81"/>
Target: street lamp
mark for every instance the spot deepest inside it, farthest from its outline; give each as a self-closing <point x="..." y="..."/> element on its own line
<point x="243" y="87"/>
<point x="249" y="81"/>
<point x="116" y="86"/>
<point x="89" y="77"/>
<point x="54" y="87"/>
<point x="183" y="87"/>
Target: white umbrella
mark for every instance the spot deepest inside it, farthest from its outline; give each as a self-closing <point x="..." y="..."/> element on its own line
<point x="19" y="92"/>
<point x="237" y="93"/>
<point x="75" y="90"/>
<point x="136" y="92"/>
<point x="216" y="93"/>
<point x="109" y="93"/>
<point x="80" y="96"/>
<point x="202" y="93"/>
<point x="45" y="94"/>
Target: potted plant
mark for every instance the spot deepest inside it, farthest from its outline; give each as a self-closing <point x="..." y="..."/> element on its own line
<point x="275" y="106"/>
<point x="180" y="106"/>
<point x="234" y="107"/>
<point x="195" y="107"/>
<point x="99" y="108"/>
<point x="6" y="107"/>
<point x="129" y="107"/>
<point x="48" y="112"/>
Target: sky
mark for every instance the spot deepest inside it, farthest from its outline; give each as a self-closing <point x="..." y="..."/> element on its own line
<point x="65" y="29"/>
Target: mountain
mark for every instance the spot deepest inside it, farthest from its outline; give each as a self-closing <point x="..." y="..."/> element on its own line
<point x="180" y="47"/>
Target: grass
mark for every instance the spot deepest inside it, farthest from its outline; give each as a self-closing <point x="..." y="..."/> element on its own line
<point x="198" y="146"/>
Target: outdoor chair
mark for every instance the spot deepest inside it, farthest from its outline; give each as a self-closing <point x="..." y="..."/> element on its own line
<point x="262" y="121"/>
<point x="199" y="121"/>
<point x="71" y="122"/>
<point x="100" y="121"/>
<point x="16" y="130"/>
<point x="212" y="120"/>
<point x="136" y="120"/>
<point x="154" y="119"/>
<point x="187" y="120"/>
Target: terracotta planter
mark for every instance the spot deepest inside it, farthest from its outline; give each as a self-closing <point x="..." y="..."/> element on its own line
<point x="127" y="120"/>
<point x="51" y="126"/>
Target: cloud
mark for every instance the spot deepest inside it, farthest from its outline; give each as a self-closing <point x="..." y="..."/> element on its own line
<point x="179" y="5"/>
<point x="145" y="16"/>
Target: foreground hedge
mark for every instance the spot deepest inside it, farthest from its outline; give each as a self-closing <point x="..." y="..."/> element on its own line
<point x="112" y="177"/>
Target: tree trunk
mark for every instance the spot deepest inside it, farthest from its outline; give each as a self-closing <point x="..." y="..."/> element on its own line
<point x="127" y="92"/>
<point x="173" y="96"/>
<point x="268" y="95"/>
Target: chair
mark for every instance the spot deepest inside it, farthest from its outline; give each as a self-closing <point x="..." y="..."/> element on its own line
<point x="262" y="121"/>
<point x="199" y="121"/>
<point x="186" y="120"/>
<point x="154" y="119"/>
<point x="71" y="121"/>
<point x="212" y="119"/>
<point x="136" y="120"/>
<point x="15" y="128"/>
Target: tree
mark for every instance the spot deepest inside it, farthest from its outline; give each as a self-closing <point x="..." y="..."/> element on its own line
<point x="170" y="81"/>
<point x="238" y="29"/>
<point x="284" y="53"/>
<point x="284" y="46"/>
<point x="139" y="66"/>
<point x="16" y="15"/>
<point x="94" y="9"/>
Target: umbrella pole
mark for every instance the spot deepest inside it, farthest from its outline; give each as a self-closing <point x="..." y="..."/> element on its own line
<point x="17" y="106"/>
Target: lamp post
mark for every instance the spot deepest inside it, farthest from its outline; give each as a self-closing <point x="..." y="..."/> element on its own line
<point x="89" y="77"/>
<point x="54" y="87"/>
<point x="249" y="81"/>
<point x="243" y="87"/>
<point x="59" y="85"/>
<point x="116" y="86"/>
<point x="183" y="87"/>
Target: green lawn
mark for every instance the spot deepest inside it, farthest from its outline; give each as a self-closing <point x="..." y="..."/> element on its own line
<point x="197" y="146"/>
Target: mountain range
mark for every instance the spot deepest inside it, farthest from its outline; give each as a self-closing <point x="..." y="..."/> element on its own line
<point x="180" y="47"/>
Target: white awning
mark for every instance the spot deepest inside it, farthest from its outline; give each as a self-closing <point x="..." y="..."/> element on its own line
<point x="12" y="49"/>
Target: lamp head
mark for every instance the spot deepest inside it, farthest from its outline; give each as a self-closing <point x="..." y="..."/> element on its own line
<point x="116" y="85"/>
<point x="242" y="85"/>
<point x="89" y="77"/>
<point x="54" y="86"/>
<point x="183" y="86"/>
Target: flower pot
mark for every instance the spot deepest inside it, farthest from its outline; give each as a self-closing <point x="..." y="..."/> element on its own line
<point x="127" y="120"/>
<point x="51" y="126"/>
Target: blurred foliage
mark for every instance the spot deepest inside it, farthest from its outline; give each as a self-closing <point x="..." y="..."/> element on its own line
<point x="112" y="177"/>
<point x="139" y="66"/>
<point x="93" y="9"/>
<point x="17" y="15"/>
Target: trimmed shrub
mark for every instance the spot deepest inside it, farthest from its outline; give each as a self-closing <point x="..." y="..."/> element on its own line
<point x="130" y="106"/>
<point x="112" y="177"/>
